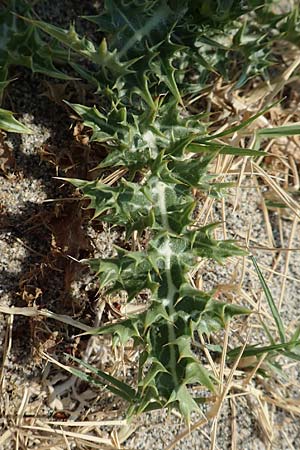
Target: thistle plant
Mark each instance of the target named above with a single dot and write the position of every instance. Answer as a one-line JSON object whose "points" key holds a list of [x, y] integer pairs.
{"points": [[145, 129], [150, 61]]}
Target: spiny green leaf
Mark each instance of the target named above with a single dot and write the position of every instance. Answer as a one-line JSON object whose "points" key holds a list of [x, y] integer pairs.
{"points": [[185, 401], [125, 330], [156, 312], [205, 246], [102, 128], [196, 373], [149, 379]]}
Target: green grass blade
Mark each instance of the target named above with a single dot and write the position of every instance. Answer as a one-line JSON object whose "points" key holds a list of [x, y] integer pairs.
{"points": [[253, 350], [288, 130], [223, 149], [243, 124], [267, 331], [89, 379], [296, 334], [124, 388], [292, 355], [270, 300]]}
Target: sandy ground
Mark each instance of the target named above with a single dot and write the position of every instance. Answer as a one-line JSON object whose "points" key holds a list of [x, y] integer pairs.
{"points": [[35, 270]]}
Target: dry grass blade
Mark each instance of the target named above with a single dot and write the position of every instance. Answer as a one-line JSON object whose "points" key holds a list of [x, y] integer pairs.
{"points": [[287, 261], [6, 349], [88, 423], [33, 312], [282, 81], [234, 429], [5, 436], [80, 436], [221, 379], [287, 199]]}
